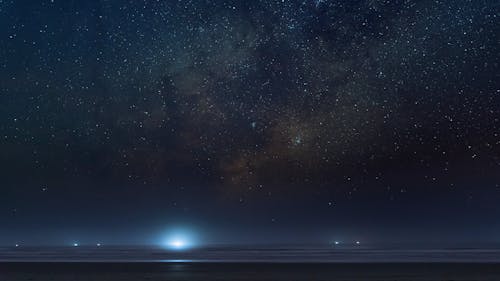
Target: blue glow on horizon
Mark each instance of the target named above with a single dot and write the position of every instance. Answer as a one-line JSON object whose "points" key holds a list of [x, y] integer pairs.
{"points": [[179, 240]]}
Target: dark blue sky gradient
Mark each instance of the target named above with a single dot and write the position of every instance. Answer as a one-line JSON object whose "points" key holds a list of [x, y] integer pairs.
{"points": [[249, 121]]}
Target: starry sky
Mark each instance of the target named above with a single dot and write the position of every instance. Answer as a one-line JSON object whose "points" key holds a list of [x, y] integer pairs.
{"points": [[263, 121]]}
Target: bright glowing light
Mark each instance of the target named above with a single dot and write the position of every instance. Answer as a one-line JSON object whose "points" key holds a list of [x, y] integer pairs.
{"points": [[179, 239], [177, 244], [98, 244], [337, 242], [75, 245]]}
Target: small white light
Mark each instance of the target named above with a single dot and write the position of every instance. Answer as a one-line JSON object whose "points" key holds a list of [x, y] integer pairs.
{"points": [[75, 245], [179, 240], [337, 242], [17, 245], [357, 242], [98, 244], [177, 244]]}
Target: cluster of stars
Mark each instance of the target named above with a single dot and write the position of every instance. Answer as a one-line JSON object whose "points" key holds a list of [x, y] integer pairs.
{"points": [[336, 100]]}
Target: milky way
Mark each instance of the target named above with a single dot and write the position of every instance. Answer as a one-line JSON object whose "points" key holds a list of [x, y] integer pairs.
{"points": [[361, 102]]}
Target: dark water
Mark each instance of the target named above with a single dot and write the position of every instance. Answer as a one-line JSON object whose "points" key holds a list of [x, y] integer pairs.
{"points": [[249, 264], [249, 254], [247, 271]]}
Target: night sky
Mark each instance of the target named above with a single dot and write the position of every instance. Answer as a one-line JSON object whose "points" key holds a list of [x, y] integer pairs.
{"points": [[263, 121]]}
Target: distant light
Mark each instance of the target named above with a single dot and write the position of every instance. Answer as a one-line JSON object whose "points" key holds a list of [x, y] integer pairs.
{"points": [[337, 242], [177, 244], [98, 244], [179, 239], [17, 245], [357, 242], [75, 245]]}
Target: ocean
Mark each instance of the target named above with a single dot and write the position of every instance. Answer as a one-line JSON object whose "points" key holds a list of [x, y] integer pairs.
{"points": [[250, 264]]}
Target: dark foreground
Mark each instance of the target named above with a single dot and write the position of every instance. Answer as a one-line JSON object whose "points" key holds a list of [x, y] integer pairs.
{"points": [[246, 271]]}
